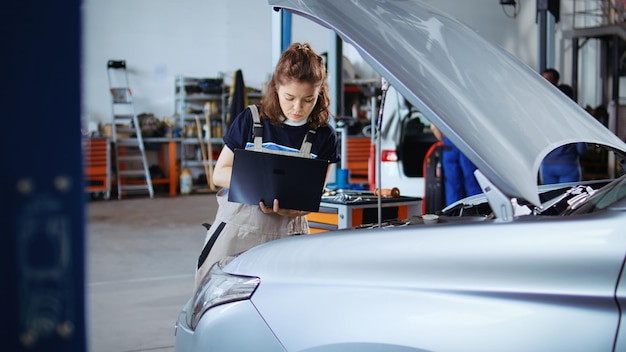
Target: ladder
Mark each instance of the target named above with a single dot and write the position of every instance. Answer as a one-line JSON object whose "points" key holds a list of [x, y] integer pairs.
{"points": [[133, 174]]}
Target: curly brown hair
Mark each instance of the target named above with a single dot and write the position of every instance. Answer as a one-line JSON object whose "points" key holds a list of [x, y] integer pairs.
{"points": [[299, 63]]}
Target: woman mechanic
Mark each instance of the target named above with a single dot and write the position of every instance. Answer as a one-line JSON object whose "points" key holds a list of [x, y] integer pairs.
{"points": [[297, 102]]}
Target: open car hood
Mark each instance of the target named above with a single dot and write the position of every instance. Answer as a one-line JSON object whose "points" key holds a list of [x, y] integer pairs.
{"points": [[503, 115]]}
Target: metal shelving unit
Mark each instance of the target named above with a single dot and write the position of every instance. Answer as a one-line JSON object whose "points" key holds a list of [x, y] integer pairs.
{"points": [[253, 98], [202, 100], [198, 100]]}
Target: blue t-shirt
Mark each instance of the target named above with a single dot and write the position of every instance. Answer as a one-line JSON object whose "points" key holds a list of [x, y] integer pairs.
{"points": [[281, 137]]}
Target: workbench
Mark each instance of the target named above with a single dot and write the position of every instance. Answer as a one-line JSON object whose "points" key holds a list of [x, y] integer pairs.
{"points": [[335, 214]]}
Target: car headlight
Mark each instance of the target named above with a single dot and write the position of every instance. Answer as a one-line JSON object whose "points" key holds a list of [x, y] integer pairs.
{"points": [[219, 287]]}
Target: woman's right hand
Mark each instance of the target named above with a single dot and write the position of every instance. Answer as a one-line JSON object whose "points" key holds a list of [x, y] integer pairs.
{"points": [[275, 209]]}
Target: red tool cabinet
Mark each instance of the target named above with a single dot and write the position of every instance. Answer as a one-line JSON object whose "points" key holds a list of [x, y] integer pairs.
{"points": [[97, 168]]}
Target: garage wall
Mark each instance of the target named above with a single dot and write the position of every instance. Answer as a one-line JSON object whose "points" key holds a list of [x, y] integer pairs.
{"points": [[160, 39]]}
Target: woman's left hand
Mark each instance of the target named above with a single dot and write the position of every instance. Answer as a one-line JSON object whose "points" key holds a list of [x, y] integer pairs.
{"points": [[282, 212]]}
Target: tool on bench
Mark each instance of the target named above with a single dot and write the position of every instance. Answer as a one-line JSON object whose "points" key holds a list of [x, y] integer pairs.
{"points": [[388, 192], [356, 196]]}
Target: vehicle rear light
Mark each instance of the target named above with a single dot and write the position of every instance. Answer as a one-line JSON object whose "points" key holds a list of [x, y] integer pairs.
{"points": [[388, 155], [385, 156]]}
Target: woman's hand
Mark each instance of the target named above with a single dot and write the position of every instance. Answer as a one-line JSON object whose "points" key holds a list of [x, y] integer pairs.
{"points": [[282, 212]]}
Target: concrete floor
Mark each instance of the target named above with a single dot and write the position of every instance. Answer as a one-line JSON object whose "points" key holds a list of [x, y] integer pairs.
{"points": [[141, 255]]}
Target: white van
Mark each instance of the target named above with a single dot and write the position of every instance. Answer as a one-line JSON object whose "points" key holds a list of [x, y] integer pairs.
{"points": [[406, 138]]}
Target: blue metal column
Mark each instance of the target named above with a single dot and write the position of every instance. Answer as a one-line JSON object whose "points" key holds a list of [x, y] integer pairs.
{"points": [[42, 183], [335, 85], [285, 30]]}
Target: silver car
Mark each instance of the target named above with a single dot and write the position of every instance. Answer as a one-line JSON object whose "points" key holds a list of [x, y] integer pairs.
{"points": [[518, 268]]}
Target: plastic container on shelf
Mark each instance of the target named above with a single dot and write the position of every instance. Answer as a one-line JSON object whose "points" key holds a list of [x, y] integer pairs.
{"points": [[185, 181]]}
